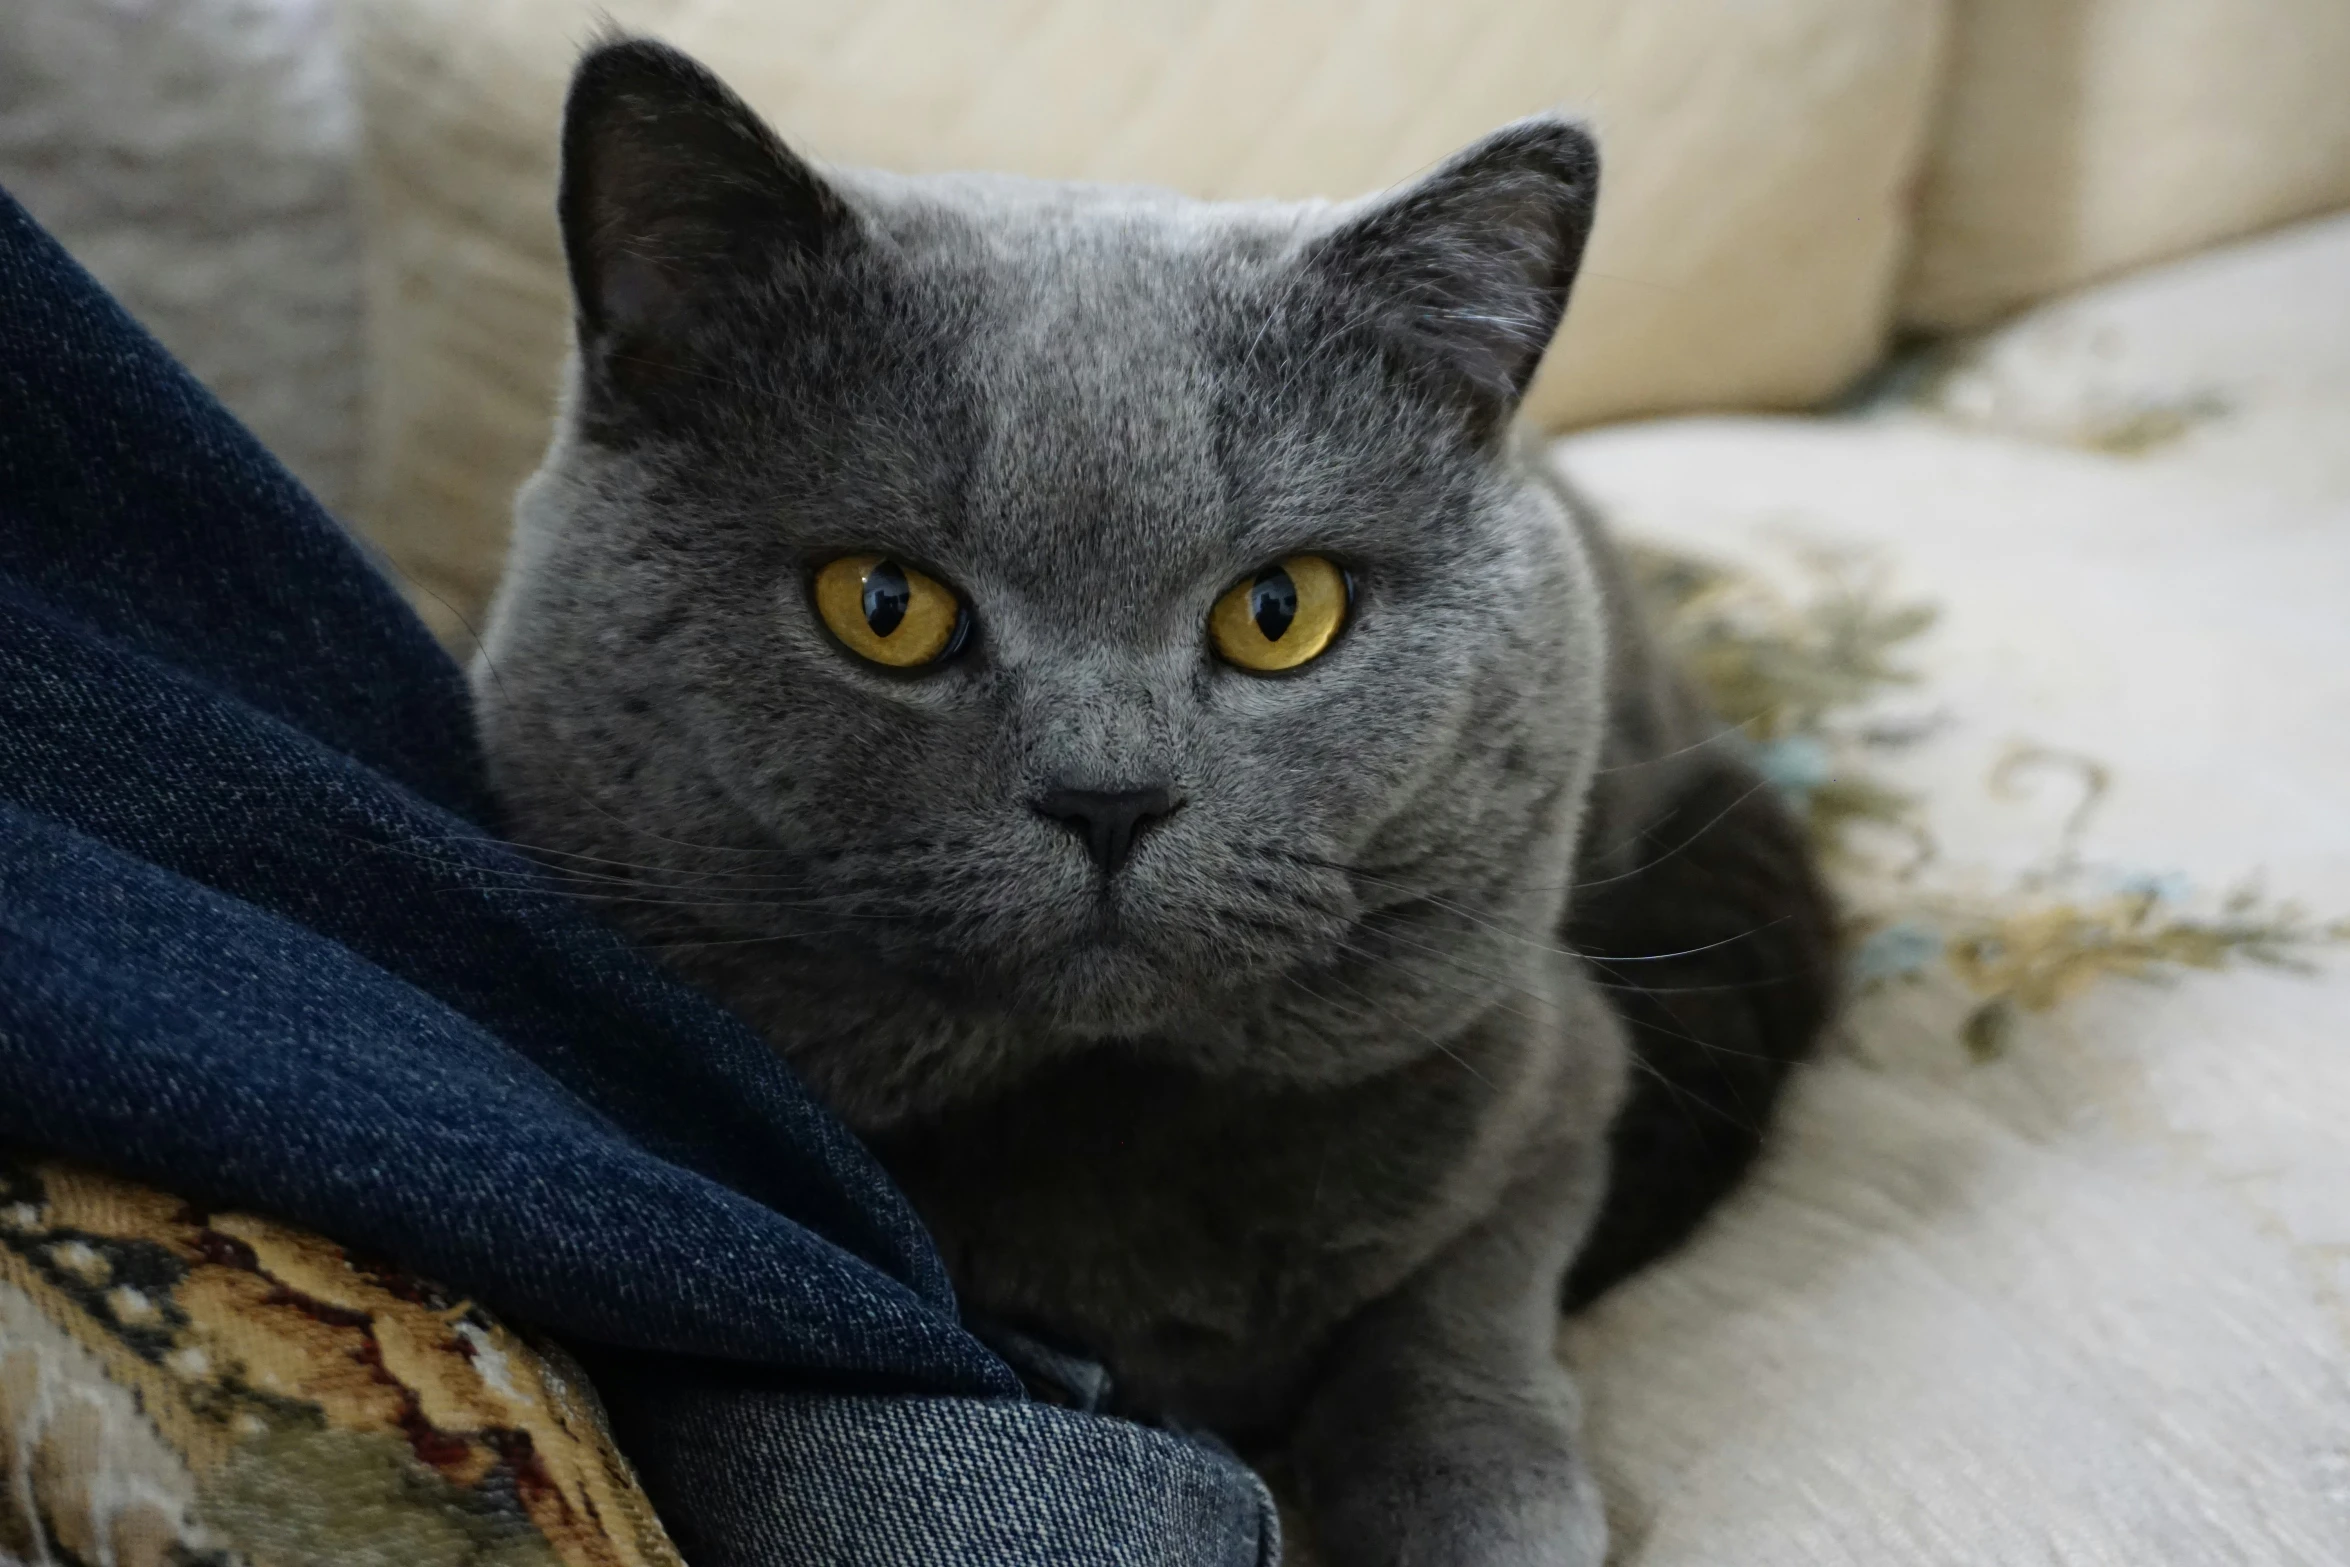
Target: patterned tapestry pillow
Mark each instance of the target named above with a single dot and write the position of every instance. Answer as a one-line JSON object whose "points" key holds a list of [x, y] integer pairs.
{"points": [[180, 1386]]}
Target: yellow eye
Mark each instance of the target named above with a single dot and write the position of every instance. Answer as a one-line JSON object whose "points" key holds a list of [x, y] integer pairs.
{"points": [[1282, 616], [889, 612]]}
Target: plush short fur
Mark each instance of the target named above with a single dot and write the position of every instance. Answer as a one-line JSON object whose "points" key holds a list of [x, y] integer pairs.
{"points": [[1297, 1119]]}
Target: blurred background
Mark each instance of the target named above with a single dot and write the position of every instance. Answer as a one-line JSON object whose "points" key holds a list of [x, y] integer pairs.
{"points": [[1974, 376]]}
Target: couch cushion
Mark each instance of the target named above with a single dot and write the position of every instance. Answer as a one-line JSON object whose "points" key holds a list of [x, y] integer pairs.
{"points": [[179, 1384], [2081, 138], [1747, 238], [2234, 362], [2046, 1263], [197, 158]]}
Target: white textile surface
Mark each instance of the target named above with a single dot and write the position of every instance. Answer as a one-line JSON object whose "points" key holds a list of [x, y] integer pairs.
{"points": [[2087, 1302]]}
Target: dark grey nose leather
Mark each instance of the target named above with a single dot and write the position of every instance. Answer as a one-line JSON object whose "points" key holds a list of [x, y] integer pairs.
{"points": [[1108, 819]]}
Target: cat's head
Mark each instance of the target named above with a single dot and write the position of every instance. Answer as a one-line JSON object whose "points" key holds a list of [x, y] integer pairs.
{"points": [[962, 619]]}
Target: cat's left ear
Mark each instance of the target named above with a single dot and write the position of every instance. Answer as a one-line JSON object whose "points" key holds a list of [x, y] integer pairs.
{"points": [[1467, 269]]}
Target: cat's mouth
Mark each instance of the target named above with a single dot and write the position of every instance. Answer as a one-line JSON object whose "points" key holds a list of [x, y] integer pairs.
{"points": [[1114, 957], [1134, 960], [1110, 923], [1110, 976], [1105, 994]]}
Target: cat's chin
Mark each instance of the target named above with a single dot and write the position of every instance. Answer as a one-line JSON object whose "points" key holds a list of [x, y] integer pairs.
{"points": [[1105, 985]]}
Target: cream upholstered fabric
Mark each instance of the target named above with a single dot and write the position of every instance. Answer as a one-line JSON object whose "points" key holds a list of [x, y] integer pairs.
{"points": [[2237, 360], [2087, 1302], [2081, 138], [196, 156], [1746, 251]]}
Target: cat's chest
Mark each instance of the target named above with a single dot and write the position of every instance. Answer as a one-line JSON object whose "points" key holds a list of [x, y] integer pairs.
{"points": [[1202, 1236]]}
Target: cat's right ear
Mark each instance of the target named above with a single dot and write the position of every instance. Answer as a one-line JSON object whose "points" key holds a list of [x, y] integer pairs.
{"points": [[674, 190], [1465, 272]]}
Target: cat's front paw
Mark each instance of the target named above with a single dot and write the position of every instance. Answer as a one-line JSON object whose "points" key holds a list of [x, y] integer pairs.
{"points": [[1472, 1486]]}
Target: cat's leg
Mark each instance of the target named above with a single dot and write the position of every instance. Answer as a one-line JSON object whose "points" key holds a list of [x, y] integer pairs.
{"points": [[1444, 1433]]}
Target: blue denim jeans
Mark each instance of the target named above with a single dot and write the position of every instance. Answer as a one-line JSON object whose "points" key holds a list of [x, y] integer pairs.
{"points": [[260, 944]]}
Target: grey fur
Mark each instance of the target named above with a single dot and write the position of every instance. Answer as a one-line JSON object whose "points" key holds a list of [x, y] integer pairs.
{"points": [[1298, 1120]]}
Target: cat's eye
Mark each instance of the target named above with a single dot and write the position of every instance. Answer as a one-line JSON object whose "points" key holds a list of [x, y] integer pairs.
{"points": [[888, 612], [1282, 617]]}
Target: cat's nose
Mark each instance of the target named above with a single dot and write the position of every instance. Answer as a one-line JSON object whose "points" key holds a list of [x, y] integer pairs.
{"points": [[1109, 820]]}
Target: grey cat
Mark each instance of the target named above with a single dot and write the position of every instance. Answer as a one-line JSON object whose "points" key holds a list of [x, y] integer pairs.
{"points": [[897, 640]]}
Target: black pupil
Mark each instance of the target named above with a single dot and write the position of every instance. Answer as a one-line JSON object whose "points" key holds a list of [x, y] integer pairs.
{"points": [[1272, 602], [887, 598]]}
